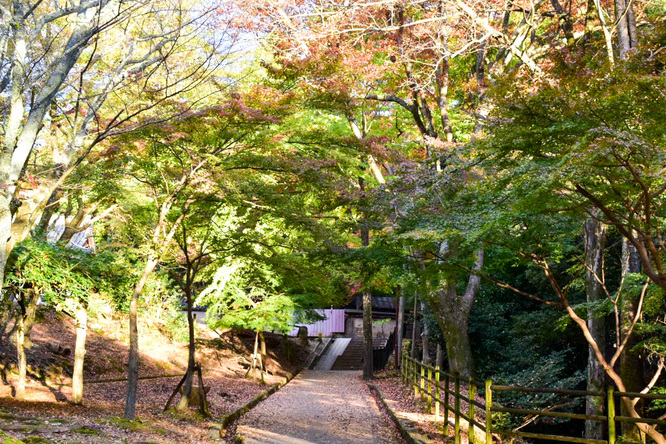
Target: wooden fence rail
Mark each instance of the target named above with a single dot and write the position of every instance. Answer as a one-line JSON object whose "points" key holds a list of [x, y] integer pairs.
{"points": [[435, 388]]}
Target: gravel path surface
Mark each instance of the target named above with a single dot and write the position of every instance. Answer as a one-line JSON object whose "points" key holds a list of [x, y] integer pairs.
{"points": [[318, 407]]}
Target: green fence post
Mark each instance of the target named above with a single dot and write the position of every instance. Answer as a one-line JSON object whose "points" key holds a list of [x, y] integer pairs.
{"points": [[611, 416], [429, 389], [422, 382], [489, 412], [456, 410], [416, 379], [446, 403], [402, 369], [470, 427], [437, 384]]}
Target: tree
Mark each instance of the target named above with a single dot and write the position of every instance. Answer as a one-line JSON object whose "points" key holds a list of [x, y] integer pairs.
{"points": [[398, 62], [79, 72], [610, 172], [61, 278]]}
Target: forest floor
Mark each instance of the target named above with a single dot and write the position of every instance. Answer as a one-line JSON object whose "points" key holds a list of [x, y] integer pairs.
{"points": [[46, 416]]}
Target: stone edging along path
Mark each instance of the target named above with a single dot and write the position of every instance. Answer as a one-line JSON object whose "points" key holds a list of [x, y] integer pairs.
{"points": [[217, 430]]}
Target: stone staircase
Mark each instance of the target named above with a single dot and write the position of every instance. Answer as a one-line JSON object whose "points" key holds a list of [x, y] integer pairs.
{"points": [[352, 356]]}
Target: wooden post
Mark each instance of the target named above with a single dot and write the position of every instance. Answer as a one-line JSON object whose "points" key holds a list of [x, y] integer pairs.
{"points": [[416, 379], [489, 412], [456, 410], [429, 389], [437, 397], [470, 427], [611, 416], [422, 381]]}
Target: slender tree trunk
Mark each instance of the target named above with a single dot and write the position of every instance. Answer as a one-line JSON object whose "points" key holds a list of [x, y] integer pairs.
{"points": [[187, 390], [367, 336], [367, 301], [424, 339], [22, 361], [595, 240], [439, 360], [262, 350], [133, 361], [25, 321], [400, 324], [415, 327], [81, 318]]}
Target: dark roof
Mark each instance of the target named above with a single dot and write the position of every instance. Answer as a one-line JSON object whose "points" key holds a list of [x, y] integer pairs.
{"points": [[382, 303]]}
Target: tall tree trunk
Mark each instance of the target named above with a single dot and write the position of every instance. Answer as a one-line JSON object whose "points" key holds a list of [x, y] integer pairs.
{"points": [[367, 301], [455, 327], [626, 26], [439, 359], [452, 311], [595, 240], [187, 391], [151, 263], [415, 327], [22, 361], [400, 324], [367, 336], [631, 366], [133, 361], [424, 339], [81, 319], [25, 321]]}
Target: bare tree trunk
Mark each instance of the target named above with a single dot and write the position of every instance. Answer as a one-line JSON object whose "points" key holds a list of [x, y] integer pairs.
{"points": [[25, 321], [626, 26], [262, 350], [595, 240], [400, 324], [367, 303], [187, 391], [133, 361], [415, 327], [81, 318], [439, 360], [424, 339], [22, 361], [367, 336]]}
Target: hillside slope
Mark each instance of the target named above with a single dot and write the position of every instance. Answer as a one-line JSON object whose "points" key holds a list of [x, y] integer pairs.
{"points": [[46, 413]]}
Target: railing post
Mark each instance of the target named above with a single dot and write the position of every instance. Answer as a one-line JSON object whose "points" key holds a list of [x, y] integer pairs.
{"points": [[416, 380], [611, 416], [437, 384], [489, 412], [446, 403], [422, 382], [429, 385], [402, 368], [470, 428], [456, 412]]}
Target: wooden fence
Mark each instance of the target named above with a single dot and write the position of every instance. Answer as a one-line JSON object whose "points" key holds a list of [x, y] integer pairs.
{"points": [[473, 403]]}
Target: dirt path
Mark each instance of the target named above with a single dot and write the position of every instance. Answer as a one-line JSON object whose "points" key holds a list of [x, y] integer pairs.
{"points": [[318, 407]]}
